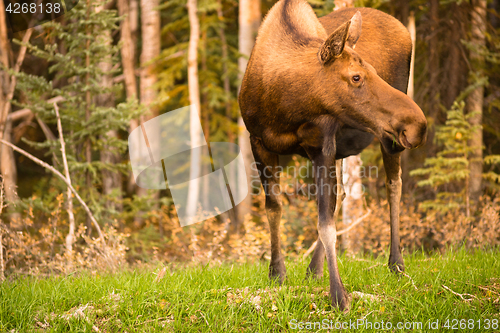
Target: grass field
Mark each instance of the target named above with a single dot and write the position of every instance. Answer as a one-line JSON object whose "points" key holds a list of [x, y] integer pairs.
{"points": [[457, 286]]}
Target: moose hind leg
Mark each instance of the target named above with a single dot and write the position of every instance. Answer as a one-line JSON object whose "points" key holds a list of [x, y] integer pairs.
{"points": [[393, 186], [267, 165], [315, 268]]}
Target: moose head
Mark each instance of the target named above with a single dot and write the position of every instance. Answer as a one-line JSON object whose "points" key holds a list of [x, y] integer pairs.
{"points": [[354, 93]]}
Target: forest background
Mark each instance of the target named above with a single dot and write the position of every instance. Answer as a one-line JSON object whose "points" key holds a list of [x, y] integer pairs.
{"points": [[90, 77]]}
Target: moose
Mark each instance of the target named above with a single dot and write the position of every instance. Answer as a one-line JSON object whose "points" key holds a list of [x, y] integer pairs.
{"points": [[322, 89]]}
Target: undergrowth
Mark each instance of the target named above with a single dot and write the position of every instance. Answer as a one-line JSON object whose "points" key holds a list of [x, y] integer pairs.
{"points": [[236, 297]]}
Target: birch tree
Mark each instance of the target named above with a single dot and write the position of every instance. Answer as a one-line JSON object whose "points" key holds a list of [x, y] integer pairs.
{"points": [[405, 155], [249, 22], [128, 39], [433, 70], [127, 53], [353, 203], [150, 33], [7, 85], [194, 100], [134, 25], [476, 97], [228, 108], [7, 163], [150, 30]]}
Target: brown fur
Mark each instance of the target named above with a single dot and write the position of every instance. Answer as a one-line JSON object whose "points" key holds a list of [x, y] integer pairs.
{"points": [[323, 89], [384, 43], [286, 84]]}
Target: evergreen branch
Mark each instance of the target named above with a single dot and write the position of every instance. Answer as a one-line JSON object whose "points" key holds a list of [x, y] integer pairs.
{"points": [[492, 159], [492, 176], [19, 114]]}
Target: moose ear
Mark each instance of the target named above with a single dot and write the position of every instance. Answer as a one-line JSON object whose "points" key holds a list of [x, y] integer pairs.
{"points": [[354, 30], [334, 45], [348, 33]]}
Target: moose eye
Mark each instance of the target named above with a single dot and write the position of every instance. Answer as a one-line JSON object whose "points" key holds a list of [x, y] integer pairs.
{"points": [[356, 78]]}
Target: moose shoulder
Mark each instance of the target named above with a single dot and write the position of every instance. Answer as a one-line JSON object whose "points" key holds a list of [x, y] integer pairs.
{"points": [[323, 89]]}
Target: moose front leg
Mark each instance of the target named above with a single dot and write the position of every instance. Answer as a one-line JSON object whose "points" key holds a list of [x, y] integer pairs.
{"points": [[267, 164], [329, 196], [315, 268], [393, 186]]}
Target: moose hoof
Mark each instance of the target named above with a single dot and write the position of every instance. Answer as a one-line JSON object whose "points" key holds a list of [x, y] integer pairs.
{"points": [[343, 303], [396, 266], [314, 273], [277, 272]]}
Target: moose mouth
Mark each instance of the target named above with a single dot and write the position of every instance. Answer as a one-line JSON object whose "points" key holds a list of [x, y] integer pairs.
{"points": [[392, 142]]}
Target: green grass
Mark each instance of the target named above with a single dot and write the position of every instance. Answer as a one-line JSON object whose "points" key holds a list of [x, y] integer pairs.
{"points": [[239, 297]]}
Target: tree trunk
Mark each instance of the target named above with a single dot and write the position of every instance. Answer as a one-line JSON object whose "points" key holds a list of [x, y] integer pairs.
{"points": [[455, 66], [128, 39], [2, 266], [134, 26], [4, 50], [9, 170], [127, 52], [249, 22], [150, 31], [194, 101], [433, 69], [353, 203], [476, 97], [4, 56], [413, 34], [405, 156], [150, 20], [70, 237], [88, 102], [111, 180], [204, 114], [7, 161], [229, 216], [401, 10]]}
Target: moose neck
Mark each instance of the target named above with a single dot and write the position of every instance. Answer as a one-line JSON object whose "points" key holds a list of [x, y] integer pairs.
{"points": [[288, 44]]}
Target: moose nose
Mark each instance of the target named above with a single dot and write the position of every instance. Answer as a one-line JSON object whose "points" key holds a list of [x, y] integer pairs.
{"points": [[414, 136]]}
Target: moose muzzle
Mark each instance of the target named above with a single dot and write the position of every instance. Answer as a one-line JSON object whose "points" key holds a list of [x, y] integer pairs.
{"points": [[414, 135]]}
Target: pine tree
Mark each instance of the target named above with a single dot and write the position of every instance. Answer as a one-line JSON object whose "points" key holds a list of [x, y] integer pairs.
{"points": [[75, 50], [448, 173]]}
